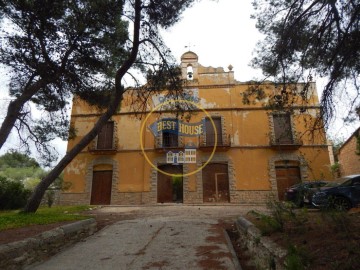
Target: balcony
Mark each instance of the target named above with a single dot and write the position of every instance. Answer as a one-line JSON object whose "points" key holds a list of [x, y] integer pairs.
{"points": [[166, 144], [289, 144], [95, 150], [223, 144]]}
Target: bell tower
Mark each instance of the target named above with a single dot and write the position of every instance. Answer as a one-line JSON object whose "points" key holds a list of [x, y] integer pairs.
{"points": [[189, 66]]}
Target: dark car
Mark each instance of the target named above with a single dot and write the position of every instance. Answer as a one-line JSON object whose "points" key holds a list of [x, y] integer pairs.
{"points": [[297, 193], [343, 195]]}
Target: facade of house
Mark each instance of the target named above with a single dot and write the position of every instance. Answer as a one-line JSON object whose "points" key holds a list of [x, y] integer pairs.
{"points": [[224, 150], [349, 155]]}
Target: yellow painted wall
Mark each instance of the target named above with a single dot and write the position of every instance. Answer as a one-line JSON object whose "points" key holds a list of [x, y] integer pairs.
{"points": [[220, 95]]}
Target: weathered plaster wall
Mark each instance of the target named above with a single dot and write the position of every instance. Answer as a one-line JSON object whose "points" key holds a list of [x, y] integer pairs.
{"points": [[250, 157]]}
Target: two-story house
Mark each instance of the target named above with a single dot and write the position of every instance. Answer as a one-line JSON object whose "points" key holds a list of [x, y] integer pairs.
{"points": [[224, 150]]}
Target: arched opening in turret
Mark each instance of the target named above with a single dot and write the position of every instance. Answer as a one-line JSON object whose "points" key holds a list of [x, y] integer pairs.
{"points": [[189, 73]]}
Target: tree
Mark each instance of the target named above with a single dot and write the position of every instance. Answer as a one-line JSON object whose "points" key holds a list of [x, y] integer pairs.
{"points": [[311, 38], [54, 49], [91, 61], [14, 159]]}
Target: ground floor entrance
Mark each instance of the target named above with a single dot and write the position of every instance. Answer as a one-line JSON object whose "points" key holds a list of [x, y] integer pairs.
{"points": [[170, 188], [101, 188], [286, 176], [216, 183]]}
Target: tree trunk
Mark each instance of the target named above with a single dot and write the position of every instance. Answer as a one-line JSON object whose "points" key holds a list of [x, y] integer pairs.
{"points": [[35, 199], [14, 110]]}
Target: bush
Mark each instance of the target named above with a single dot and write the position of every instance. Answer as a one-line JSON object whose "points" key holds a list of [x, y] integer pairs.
{"points": [[13, 194]]}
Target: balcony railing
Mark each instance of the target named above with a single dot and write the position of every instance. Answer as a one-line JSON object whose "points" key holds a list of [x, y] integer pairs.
{"points": [[290, 143], [222, 145], [102, 151], [165, 144]]}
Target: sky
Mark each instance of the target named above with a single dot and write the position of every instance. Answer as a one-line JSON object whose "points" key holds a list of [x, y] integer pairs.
{"points": [[220, 33]]}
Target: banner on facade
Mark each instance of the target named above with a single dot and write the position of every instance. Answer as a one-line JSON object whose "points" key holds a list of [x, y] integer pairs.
{"points": [[177, 127]]}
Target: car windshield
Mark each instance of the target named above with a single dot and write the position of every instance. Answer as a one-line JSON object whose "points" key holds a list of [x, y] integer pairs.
{"points": [[339, 182], [332, 184]]}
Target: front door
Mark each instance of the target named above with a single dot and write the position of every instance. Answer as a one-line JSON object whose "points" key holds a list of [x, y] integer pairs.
{"points": [[285, 178], [101, 188], [170, 188], [216, 183]]}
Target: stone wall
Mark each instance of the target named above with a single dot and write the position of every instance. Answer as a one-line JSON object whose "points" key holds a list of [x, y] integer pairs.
{"points": [[251, 196], [17, 255], [265, 253], [70, 198]]}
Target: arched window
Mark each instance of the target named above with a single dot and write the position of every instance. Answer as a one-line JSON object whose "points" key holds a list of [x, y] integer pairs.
{"points": [[189, 73]]}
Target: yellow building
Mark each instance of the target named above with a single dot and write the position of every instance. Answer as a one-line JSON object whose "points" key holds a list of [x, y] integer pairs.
{"points": [[157, 157]]}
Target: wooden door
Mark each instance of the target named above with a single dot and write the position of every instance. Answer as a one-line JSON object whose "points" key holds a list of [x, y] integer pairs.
{"points": [[105, 137], [285, 178], [210, 133], [216, 183], [170, 188], [101, 188]]}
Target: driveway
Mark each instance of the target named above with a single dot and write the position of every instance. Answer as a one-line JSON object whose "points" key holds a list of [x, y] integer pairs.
{"points": [[156, 237]]}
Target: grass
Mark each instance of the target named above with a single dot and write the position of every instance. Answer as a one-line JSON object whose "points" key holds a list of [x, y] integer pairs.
{"points": [[44, 215]]}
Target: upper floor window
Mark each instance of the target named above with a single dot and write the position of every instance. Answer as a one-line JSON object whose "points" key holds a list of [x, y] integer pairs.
{"points": [[210, 131], [170, 139], [106, 136], [282, 129]]}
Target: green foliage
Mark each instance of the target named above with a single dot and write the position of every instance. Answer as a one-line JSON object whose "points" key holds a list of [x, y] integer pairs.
{"points": [[14, 219], [311, 37], [335, 168], [13, 195], [20, 167], [56, 49], [281, 214], [14, 159], [22, 174], [297, 258], [252, 94], [50, 197], [339, 221]]}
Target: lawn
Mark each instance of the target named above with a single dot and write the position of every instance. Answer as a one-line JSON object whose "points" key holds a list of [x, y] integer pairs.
{"points": [[45, 215]]}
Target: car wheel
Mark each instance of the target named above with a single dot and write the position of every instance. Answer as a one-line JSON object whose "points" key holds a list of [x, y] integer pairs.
{"points": [[342, 204]]}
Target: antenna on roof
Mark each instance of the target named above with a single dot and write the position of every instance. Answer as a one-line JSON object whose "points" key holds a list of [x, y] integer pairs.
{"points": [[189, 46]]}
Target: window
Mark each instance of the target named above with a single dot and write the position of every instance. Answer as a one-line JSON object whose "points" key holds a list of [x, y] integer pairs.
{"points": [[105, 137], [170, 157], [169, 139], [181, 157], [282, 129], [210, 132], [190, 156]]}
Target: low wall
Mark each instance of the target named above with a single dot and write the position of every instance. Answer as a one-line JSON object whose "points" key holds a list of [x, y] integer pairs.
{"points": [[265, 253], [17, 255]]}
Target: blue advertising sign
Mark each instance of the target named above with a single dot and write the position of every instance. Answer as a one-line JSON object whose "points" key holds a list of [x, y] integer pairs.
{"points": [[178, 127]]}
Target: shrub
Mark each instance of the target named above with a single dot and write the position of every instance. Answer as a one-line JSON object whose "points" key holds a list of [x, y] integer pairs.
{"points": [[297, 258], [13, 195]]}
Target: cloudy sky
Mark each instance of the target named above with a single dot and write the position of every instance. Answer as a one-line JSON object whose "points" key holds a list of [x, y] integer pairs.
{"points": [[220, 33]]}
